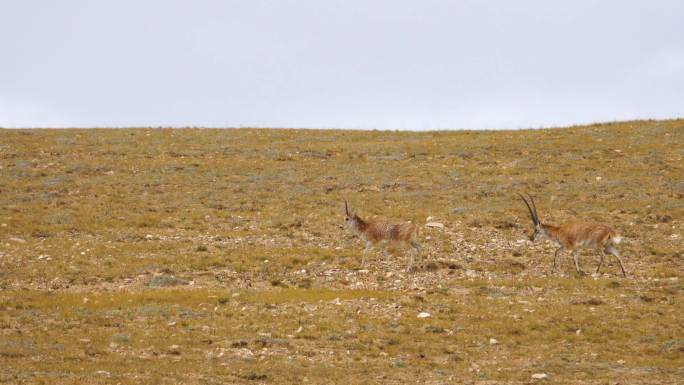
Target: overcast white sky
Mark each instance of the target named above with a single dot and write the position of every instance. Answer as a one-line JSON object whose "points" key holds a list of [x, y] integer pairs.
{"points": [[391, 64]]}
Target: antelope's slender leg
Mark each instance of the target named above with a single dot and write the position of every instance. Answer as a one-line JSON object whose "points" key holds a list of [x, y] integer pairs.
{"points": [[383, 246], [410, 265], [369, 246], [600, 263], [555, 258], [615, 253], [417, 249], [576, 258]]}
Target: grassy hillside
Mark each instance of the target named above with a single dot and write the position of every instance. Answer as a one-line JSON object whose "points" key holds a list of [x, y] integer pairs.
{"points": [[200, 256]]}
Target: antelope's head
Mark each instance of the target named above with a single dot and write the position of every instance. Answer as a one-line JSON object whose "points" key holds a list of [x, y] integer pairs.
{"points": [[350, 220], [538, 230]]}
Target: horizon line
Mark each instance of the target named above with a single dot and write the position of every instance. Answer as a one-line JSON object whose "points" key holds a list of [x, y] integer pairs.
{"points": [[257, 127]]}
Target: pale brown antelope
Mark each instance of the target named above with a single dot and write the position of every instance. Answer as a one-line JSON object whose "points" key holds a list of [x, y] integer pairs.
{"points": [[574, 235], [382, 233]]}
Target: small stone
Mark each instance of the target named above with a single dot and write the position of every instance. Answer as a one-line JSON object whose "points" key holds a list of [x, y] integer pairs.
{"points": [[103, 373], [174, 349], [621, 362], [18, 240], [493, 341], [435, 225], [539, 376], [471, 273], [163, 280], [423, 314], [300, 329]]}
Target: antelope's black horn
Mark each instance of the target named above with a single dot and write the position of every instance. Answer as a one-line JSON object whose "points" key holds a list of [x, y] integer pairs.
{"points": [[532, 216], [534, 206]]}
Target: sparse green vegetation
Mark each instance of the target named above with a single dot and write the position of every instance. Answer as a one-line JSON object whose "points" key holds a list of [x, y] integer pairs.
{"points": [[217, 256]]}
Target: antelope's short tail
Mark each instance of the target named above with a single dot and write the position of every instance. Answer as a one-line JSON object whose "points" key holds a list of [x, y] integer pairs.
{"points": [[616, 238]]}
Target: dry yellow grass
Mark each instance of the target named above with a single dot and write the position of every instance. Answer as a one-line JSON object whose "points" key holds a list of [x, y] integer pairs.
{"points": [[203, 256]]}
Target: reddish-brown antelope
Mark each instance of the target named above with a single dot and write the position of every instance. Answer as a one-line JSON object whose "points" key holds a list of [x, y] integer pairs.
{"points": [[574, 235], [382, 233]]}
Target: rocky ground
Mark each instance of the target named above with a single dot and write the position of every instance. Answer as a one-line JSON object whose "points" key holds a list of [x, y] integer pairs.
{"points": [[218, 256]]}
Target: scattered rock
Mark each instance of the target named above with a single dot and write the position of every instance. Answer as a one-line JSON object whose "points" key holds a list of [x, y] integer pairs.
{"points": [[493, 341], [423, 314], [539, 376], [174, 350], [387, 157], [18, 240], [166, 281], [435, 225]]}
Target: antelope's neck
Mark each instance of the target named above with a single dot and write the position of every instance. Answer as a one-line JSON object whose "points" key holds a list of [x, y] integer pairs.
{"points": [[551, 231], [361, 225]]}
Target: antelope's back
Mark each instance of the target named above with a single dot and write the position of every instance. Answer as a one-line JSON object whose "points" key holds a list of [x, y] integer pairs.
{"points": [[587, 233], [404, 231]]}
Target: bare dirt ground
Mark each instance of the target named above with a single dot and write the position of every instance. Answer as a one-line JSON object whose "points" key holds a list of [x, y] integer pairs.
{"points": [[196, 256]]}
